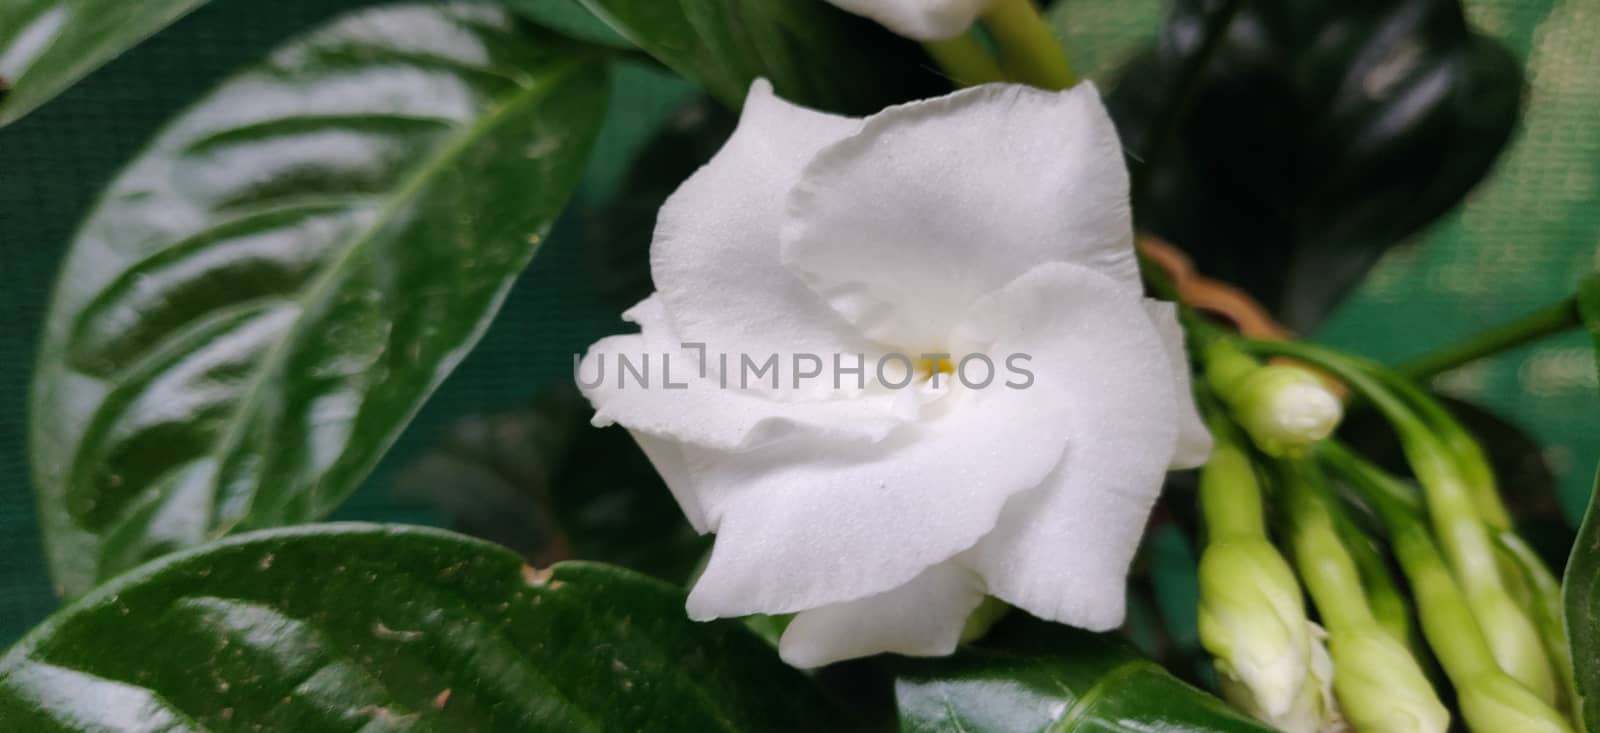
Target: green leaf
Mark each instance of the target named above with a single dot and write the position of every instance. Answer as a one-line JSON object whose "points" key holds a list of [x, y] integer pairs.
{"points": [[1581, 586], [570, 19], [543, 481], [1031, 676], [47, 45], [1581, 599], [263, 299], [1589, 310], [814, 54], [1319, 136], [370, 627]]}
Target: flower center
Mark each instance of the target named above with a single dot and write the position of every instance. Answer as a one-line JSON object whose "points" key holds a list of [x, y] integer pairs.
{"points": [[927, 367]]}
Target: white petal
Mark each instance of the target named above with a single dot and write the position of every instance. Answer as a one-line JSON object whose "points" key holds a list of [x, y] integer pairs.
{"points": [[714, 257], [697, 409], [801, 526], [1061, 551], [923, 20], [922, 618], [934, 204], [1194, 440]]}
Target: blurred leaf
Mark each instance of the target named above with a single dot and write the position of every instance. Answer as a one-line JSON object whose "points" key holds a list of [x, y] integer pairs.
{"points": [[620, 231], [1322, 134], [544, 482], [814, 54], [1581, 585], [569, 18], [369, 627], [1589, 310], [1027, 675], [264, 298], [47, 45]]}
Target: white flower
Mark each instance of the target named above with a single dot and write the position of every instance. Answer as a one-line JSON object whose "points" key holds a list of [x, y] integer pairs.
{"points": [[991, 221], [923, 20]]}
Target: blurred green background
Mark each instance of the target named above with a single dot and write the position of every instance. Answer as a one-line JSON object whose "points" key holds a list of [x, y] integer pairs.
{"points": [[1521, 240]]}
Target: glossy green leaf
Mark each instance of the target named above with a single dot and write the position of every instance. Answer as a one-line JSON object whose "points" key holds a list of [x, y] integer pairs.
{"points": [[367, 627], [1322, 133], [814, 54], [543, 481], [1027, 676], [1581, 585], [47, 45], [263, 299]]}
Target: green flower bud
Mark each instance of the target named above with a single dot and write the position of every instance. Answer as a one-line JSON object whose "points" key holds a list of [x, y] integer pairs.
{"points": [[1313, 709], [1380, 687], [1285, 408], [1253, 621], [1495, 702]]}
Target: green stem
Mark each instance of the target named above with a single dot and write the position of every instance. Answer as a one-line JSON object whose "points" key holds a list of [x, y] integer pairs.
{"points": [[1029, 47], [1325, 565], [1532, 327], [965, 60], [1230, 496], [1170, 117], [1545, 607], [1389, 606]]}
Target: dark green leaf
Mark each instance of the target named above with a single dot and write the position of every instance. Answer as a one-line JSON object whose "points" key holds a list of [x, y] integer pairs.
{"points": [[545, 482], [814, 54], [1581, 598], [569, 18], [1322, 133], [1581, 585], [264, 298], [1589, 310], [46, 45], [1031, 676], [369, 627]]}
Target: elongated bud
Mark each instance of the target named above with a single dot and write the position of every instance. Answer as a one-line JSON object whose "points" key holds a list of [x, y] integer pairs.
{"points": [[1495, 702], [1284, 408], [1253, 621], [1380, 687]]}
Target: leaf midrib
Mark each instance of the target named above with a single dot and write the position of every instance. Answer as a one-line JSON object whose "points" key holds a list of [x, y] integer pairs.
{"points": [[325, 283]]}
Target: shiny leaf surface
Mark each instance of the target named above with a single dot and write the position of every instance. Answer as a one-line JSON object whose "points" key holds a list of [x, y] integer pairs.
{"points": [[1321, 134], [370, 627], [46, 45], [1027, 675], [814, 54], [264, 298]]}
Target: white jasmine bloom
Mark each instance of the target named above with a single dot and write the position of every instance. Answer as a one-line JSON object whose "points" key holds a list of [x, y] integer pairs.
{"points": [[923, 20], [992, 221]]}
